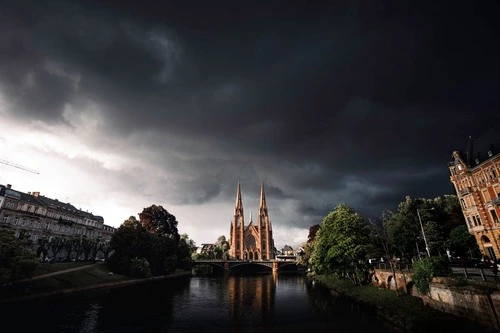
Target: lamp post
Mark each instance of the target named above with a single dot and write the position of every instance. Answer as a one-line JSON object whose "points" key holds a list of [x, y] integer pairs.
{"points": [[418, 250], [423, 233]]}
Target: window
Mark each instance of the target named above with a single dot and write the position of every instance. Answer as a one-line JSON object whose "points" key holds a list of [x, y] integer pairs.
{"points": [[469, 223], [478, 220], [494, 215]]}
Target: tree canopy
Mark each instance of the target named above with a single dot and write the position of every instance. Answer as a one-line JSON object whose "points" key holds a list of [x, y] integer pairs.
{"points": [[341, 245], [141, 248], [158, 220]]}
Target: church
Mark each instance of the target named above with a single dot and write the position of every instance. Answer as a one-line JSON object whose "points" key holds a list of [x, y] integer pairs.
{"points": [[255, 241]]}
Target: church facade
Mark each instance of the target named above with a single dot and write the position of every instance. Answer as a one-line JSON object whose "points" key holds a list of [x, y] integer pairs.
{"points": [[254, 241]]}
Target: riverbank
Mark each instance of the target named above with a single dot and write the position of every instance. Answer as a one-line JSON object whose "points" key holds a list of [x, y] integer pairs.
{"points": [[73, 280], [405, 312]]}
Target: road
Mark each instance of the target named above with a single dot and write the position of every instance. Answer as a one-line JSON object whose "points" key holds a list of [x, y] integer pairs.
{"points": [[475, 273]]}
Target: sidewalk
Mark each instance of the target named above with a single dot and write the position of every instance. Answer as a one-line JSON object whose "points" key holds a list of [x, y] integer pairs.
{"points": [[43, 276], [115, 284]]}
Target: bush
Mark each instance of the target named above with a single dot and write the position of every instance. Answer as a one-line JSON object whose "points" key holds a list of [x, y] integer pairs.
{"points": [[139, 267], [425, 269]]}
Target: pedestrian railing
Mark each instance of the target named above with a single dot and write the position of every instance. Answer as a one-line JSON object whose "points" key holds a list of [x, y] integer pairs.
{"points": [[473, 273]]}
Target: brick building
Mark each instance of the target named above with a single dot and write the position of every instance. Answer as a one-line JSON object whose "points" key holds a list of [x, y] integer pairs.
{"points": [[36, 217], [475, 174], [255, 241]]}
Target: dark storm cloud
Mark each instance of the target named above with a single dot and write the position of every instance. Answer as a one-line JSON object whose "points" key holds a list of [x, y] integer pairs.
{"points": [[352, 102]]}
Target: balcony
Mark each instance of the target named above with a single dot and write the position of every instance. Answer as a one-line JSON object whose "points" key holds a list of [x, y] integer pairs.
{"points": [[465, 191]]}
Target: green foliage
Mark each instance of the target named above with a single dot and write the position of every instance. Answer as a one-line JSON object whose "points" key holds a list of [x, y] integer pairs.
{"points": [[341, 245], [427, 268], [185, 251], [139, 267], [133, 240], [462, 242], [57, 244], [17, 261], [439, 216], [158, 220], [218, 250], [305, 257]]}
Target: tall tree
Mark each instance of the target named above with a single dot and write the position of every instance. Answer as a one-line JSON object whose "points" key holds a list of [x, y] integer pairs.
{"points": [[132, 240], [158, 220], [341, 245]]}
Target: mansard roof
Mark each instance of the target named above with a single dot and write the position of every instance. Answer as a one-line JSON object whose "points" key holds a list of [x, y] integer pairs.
{"points": [[48, 203], [483, 148]]}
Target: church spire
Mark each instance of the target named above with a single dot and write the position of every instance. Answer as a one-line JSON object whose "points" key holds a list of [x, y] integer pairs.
{"points": [[263, 205], [250, 216], [238, 209]]}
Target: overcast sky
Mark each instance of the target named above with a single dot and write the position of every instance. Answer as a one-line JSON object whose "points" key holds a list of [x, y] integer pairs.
{"points": [[120, 105]]}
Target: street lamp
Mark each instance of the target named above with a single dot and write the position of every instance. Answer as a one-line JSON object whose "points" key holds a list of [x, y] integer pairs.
{"points": [[423, 233]]}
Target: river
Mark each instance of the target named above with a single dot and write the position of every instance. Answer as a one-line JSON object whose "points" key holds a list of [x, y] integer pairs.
{"points": [[260, 303]]}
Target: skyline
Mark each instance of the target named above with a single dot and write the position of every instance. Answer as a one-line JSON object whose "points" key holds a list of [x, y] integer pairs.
{"points": [[121, 105]]}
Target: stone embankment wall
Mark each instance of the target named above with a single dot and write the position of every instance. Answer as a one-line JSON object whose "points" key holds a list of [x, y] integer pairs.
{"points": [[469, 302]]}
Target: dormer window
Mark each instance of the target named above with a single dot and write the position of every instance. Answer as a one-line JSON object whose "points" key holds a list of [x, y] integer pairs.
{"points": [[459, 167]]}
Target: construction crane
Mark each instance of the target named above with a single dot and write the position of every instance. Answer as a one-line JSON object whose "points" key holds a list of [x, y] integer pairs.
{"points": [[18, 166]]}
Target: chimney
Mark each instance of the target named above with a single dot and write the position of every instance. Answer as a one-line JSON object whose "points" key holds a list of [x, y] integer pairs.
{"points": [[36, 194], [9, 186]]}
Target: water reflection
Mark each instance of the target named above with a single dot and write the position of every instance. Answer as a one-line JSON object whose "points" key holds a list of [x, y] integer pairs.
{"points": [[251, 300], [258, 303]]}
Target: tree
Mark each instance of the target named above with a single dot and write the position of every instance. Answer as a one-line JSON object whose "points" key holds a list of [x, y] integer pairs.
{"points": [[341, 245], [57, 245], [404, 230], [17, 261], [43, 247], [133, 240], [305, 256], [185, 251], [380, 237], [462, 242], [222, 248], [158, 220], [89, 248], [312, 233]]}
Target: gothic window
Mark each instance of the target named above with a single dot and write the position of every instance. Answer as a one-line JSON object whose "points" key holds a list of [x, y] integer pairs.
{"points": [[250, 241]]}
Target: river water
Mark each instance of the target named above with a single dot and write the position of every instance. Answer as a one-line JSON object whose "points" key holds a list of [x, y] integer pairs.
{"points": [[259, 303]]}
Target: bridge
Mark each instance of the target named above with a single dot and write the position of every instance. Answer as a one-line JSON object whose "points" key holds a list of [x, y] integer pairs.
{"points": [[274, 265]]}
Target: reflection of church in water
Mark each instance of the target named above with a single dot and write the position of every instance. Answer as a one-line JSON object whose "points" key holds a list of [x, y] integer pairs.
{"points": [[252, 299], [255, 241]]}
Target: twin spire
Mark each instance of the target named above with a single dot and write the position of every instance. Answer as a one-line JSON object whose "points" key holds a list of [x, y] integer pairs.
{"points": [[262, 204]]}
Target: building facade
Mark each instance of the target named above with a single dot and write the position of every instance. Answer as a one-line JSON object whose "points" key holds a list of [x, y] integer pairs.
{"points": [[254, 241], [37, 217], [475, 176]]}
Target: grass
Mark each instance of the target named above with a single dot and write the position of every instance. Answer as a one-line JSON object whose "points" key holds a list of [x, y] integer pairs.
{"points": [[408, 312], [93, 275]]}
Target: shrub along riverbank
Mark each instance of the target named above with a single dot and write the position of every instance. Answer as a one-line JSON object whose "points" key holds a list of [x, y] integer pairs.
{"points": [[406, 312]]}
